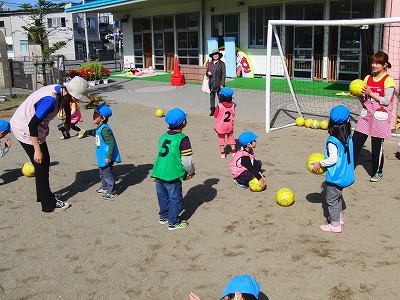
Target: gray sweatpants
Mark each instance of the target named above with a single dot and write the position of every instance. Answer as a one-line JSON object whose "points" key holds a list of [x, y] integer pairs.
{"points": [[334, 200]]}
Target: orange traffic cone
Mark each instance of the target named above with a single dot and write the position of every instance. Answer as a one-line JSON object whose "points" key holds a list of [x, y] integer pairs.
{"points": [[177, 78]]}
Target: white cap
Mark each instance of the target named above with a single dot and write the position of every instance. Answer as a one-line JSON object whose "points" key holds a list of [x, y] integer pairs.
{"points": [[78, 88]]}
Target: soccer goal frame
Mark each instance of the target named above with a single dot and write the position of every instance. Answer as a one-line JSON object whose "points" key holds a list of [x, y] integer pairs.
{"points": [[296, 109]]}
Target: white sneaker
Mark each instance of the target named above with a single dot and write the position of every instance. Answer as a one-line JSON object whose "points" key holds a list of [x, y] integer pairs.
{"points": [[81, 133], [61, 205]]}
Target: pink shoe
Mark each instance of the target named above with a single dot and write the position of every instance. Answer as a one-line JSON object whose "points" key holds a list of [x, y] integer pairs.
{"points": [[330, 228]]}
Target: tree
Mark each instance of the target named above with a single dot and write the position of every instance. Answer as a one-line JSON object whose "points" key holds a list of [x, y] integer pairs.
{"points": [[38, 33]]}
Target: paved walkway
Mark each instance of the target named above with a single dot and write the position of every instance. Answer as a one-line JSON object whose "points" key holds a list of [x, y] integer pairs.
{"points": [[250, 104]]}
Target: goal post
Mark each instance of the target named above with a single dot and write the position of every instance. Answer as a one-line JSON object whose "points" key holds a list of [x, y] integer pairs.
{"points": [[310, 64]]}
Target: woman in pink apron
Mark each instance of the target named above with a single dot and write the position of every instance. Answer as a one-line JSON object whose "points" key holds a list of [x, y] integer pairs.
{"points": [[378, 99]]}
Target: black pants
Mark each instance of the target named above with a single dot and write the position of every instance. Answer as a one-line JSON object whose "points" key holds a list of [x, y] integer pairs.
{"points": [[377, 150], [43, 192], [74, 127]]}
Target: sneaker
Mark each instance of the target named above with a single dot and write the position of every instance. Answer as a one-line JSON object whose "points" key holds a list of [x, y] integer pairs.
{"points": [[62, 138], [330, 228], [163, 220], [101, 191], [395, 132], [376, 177], [61, 205], [240, 186], [109, 196], [182, 224], [81, 133], [223, 155]]}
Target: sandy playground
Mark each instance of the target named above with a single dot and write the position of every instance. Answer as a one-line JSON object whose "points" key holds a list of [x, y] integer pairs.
{"points": [[117, 250]]}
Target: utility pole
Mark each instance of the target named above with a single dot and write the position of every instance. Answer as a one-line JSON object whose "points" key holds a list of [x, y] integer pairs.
{"points": [[86, 35]]}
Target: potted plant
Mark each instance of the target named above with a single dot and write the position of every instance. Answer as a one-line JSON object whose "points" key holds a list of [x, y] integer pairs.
{"points": [[88, 74], [94, 101], [106, 74]]}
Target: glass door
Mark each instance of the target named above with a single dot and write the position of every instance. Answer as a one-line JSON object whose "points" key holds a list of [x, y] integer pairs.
{"points": [[303, 52], [159, 58], [349, 52]]}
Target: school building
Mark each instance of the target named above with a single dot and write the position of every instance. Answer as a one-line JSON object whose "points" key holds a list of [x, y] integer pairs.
{"points": [[155, 31]]}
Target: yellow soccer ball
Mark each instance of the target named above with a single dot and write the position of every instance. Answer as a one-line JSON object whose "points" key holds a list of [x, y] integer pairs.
{"points": [[314, 124], [28, 169], [285, 197], [300, 121], [308, 122], [254, 185], [356, 87], [324, 124], [313, 158], [160, 113]]}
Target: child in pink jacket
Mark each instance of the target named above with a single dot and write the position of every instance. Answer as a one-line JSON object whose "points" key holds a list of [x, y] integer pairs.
{"points": [[225, 115]]}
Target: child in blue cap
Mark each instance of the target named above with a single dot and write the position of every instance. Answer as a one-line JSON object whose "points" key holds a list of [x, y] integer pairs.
{"points": [[339, 165], [107, 152], [172, 165], [243, 287], [244, 167], [225, 115], [4, 130]]}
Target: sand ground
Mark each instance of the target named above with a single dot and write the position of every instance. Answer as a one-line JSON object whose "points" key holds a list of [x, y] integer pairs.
{"points": [[117, 250]]}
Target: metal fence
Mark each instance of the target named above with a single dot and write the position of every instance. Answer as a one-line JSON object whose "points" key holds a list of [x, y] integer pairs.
{"points": [[21, 76]]}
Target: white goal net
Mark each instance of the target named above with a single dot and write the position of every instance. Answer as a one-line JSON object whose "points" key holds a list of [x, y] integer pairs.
{"points": [[311, 63]]}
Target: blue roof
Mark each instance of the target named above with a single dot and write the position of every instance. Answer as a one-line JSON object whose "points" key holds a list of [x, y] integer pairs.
{"points": [[99, 4]]}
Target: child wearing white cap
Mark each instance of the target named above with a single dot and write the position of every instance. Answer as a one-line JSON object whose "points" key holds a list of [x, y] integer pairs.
{"points": [[4, 130], [339, 163], [172, 165]]}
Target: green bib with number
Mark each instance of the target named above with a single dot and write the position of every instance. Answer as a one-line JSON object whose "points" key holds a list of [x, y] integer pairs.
{"points": [[168, 165]]}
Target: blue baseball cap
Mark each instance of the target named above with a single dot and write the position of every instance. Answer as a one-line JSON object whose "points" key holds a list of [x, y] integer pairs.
{"points": [[5, 126], [244, 284], [247, 137], [175, 117], [339, 114], [104, 110], [226, 91]]}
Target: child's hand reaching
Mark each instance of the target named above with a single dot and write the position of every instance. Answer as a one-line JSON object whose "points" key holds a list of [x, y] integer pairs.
{"points": [[8, 143], [316, 166], [193, 296], [263, 182]]}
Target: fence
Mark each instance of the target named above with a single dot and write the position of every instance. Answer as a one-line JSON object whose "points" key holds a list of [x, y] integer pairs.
{"points": [[26, 75]]}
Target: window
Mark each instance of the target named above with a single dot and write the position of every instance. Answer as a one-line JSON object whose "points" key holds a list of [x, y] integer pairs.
{"points": [[10, 48], [187, 27], [2, 24], [225, 26], [55, 22], [259, 17], [24, 47], [352, 9], [91, 23]]}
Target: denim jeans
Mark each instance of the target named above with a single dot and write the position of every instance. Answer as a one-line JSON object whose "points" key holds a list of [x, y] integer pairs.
{"points": [[107, 178], [169, 196]]}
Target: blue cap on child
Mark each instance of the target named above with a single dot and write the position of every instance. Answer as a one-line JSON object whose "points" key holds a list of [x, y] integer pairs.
{"points": [[175, 117], [104, 110], [244, 284], [339, 114], [5, 126], [226, 91], [247, 137]]}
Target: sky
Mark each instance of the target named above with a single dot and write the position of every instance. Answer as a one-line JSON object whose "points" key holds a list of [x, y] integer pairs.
{"points": [[14, 4]]}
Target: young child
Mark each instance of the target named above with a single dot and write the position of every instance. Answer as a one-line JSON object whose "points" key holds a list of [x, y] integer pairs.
{"points": [[243, 287], [244, 167], [339, 165], [4, 130], [76, 116], [172, 165], [225, 115], [106, 151]]}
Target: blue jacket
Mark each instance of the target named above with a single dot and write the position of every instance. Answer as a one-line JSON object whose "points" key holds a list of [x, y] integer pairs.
{"points": [[102, 148], [341, 173]]}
